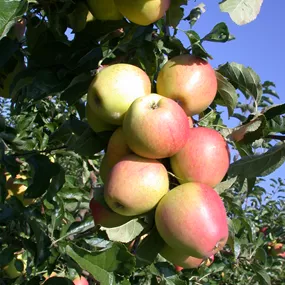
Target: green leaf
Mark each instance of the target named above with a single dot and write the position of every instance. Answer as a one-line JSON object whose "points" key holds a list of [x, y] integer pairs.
{"points": [[149, 248], [226, 95], [56, 184], [10, 11], [102, 265], [80, 227], [243, 78], [125, 233], [175, 13], [241, 11], [276, 125], [261, 255], [43, 242], [261, 273], [225, 185], [43, 171], [251, 131], [195, 14], [259, 164], [220, 33], [273, 111]]}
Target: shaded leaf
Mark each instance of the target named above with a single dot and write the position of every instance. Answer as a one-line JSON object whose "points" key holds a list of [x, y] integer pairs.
{"points": [[261, 273], [195, 14], [220, 33], [224, 185], [175, 12]]}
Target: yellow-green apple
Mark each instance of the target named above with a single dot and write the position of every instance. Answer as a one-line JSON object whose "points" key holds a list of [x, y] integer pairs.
{"points": [[155, 127], [80, 280], [17, 189], [104, 10], [143, 12], [104, 216], [79, 17], [192, 218], [113, 90], [179, 258], [117, 147], [97, 124], [10, 269], [189, 80], [205, 158], [135, 185]]}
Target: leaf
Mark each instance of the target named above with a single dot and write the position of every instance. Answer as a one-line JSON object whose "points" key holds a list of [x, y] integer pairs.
{"points": [[80, 227], [9, 12], [220, 33], [261, 273], [77, 88], [149, 248], [195, 14], [259, 164], [197, 48], [175, 13], [116, 259], [251, 131], [277, 124], [226, 94], [7, 48], [43, 242], [273, 111], [241, 11], [243, 78], [125, 233], [225, 185], [43, 171], [261, 255]]}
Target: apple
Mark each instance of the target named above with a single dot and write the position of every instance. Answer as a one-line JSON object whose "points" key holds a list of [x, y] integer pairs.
{"points": [[18, 30], [135, 185], [205, 158], [113, 90], [191, 122], [104, 10], [189, 80], [277, 249], [79, 17], [17, 189], [117, 147], [97, 124], [192, 218], [80, 280], [155, 127], [10, 269], [104, 216], [143, 12]]}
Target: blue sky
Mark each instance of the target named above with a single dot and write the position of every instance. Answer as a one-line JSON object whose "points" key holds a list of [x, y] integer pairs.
{"points": [[259, 44]]}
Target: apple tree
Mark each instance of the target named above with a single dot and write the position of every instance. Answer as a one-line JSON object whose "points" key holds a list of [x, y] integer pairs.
{"points": [[56, 224]]}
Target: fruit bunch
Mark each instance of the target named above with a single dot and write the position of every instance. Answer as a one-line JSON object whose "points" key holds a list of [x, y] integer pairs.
{"points": [[154, 140]]}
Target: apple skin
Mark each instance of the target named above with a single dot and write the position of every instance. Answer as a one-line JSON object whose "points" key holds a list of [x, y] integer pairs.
{"points": [[205, 158], [97, 124], [135, 185], [155, 127], [189, 80], [17, 189], [105, 217], [182, 260], [192, 218], [104, 10], [113, 90], [277, 250], [80, 281], [143, 12], [10, 269]]}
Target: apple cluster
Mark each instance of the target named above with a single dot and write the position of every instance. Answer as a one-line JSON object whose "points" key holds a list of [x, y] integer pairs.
{"points": [[150, 129]]}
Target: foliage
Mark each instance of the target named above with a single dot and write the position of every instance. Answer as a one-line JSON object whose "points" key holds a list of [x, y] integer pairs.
{"points": [[44, 135]]}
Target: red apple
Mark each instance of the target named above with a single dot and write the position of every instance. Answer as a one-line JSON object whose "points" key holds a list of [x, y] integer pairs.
{"points": [[155, 127], [277, 249], [104, 216], [192, 218], [205, 158], [189, 80], [135, 185], [80, 281]]}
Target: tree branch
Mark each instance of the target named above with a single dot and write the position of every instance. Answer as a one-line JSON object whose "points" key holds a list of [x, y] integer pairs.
{"points": [[276, 137]]}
